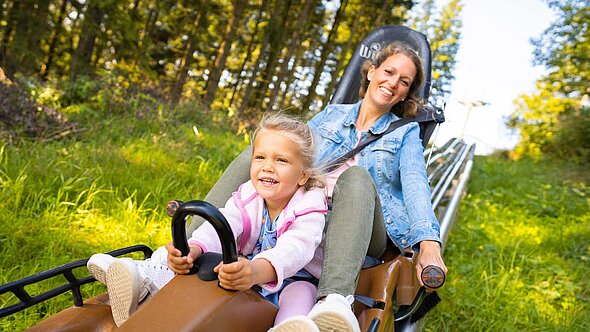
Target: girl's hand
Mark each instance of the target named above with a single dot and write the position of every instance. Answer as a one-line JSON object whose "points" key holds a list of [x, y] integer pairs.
{"points": [[179, 264], [244, 274], [430, 254]]}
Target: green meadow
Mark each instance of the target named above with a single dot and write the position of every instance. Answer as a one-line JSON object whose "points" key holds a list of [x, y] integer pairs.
{"points": [[519, 255]]}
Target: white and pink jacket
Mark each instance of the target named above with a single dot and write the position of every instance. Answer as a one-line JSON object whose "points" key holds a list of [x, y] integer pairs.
{"points": [[300, 229]]}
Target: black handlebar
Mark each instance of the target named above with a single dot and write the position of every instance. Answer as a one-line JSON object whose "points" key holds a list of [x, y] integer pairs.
{"points": [[215, 218]]}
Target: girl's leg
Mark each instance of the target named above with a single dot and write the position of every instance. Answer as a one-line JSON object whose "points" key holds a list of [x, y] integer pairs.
{"points": [[234, 175], [297, 298], [354, 228]]}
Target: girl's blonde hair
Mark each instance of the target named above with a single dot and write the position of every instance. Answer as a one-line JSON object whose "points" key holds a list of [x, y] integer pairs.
{"points": [[411, 103], [300, 133]]}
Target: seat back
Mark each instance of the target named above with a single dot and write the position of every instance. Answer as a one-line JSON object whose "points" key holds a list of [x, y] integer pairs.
{"points": [[347, 91]]}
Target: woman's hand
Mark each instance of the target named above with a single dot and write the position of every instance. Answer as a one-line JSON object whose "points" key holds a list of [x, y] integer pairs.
{"points": [[244, 274], [430, 254], [179, 264]]}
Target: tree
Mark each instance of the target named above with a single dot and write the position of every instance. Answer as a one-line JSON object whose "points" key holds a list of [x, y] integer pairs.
{"points": [[326, 49], [564, 49], [220, 59], [444, 31], [81, 58]]}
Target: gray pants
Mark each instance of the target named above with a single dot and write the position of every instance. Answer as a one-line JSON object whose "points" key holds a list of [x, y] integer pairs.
{"points": [[354, 227]]}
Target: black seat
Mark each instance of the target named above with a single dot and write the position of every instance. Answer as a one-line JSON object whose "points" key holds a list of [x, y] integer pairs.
{"points": [[347, 91]]}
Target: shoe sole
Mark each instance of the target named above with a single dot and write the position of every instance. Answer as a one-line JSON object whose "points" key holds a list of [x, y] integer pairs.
{"points": [[295, 326], [98, 273], [332, 322], [123, 289]]}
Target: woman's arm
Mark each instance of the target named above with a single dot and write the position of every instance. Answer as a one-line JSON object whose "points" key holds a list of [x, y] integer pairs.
{"points": [[424, 226]]}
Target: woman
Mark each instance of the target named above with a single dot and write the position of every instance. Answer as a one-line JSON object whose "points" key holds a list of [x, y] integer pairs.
{"points": [[381, 192]]}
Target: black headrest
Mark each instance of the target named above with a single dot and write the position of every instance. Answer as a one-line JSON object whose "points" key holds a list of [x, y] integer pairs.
{"points": [[347, 91]]}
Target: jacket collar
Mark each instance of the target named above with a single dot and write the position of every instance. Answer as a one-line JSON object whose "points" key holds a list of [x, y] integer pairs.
{"points": [[378, 127]]}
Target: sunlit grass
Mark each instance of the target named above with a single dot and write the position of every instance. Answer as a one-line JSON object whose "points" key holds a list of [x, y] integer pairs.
{"points": [[519, 254], [61, 201], [519, 257]]}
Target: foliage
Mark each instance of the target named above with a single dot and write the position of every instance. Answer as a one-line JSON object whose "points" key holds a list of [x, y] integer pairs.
{"points": [[519, 254], [20, 113], [444, 33], [537, 118], [551, 111], [564, 47], [571, 139], [227, 55]]}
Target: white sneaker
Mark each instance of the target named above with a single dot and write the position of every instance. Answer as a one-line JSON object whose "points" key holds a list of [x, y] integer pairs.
{"points": [[98, 264], [296, 324], [155, 271], [334, 313], [126, 288]]}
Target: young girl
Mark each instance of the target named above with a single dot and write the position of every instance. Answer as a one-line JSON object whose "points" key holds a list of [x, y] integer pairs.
{"points": [[277, 217]]}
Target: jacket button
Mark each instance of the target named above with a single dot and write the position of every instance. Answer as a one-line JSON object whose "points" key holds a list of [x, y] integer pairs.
{"points": [[404, 241], [388, 220]]}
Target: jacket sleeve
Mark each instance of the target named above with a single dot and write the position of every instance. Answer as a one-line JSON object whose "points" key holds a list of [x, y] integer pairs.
{"points": [[416, 190], [296, 246], [206, 237]]}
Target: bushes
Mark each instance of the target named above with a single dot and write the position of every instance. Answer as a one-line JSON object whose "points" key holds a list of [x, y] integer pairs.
{"points": [[572, 138], [19, 113]]}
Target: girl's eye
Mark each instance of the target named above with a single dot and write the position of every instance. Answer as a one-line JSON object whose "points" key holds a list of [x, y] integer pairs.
{"points": [[282, 160], [259, 157]]}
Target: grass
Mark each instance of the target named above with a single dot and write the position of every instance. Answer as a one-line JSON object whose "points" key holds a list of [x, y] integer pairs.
{"points": [[519, 257], [62, 201]]}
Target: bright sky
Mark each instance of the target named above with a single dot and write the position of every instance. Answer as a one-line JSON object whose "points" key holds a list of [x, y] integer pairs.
{"points": [[494, 65]]}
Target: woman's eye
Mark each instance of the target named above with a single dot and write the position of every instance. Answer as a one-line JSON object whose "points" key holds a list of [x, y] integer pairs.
{"points": [[405, 83]]}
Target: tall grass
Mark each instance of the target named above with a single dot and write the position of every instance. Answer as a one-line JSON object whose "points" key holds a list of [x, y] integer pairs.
{"points": [[519, 256], [62, 201]]}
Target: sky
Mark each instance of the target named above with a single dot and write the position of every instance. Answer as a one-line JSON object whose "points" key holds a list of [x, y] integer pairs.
{"points": [[494, 65]]}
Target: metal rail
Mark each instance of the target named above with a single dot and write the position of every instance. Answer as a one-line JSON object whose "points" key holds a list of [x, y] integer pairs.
{"points": [[448, 171]]}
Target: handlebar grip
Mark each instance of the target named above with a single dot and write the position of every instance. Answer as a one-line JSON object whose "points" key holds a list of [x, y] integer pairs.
{"points": [[433, 276], [172, 206]]}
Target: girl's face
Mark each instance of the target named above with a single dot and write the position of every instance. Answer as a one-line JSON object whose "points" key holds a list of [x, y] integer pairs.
{"points": [[390, 82], [277, 169]]}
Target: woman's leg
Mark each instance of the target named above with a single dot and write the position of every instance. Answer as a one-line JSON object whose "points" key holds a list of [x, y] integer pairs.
{"points": [[354, 229], [234, 175], [297, 298]]}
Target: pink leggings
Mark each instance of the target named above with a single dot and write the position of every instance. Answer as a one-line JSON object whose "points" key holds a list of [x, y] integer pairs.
{"points": [[297, 298]]}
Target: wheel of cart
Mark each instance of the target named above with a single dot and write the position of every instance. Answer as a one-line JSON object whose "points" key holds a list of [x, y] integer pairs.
{"points": [[387, 297]]}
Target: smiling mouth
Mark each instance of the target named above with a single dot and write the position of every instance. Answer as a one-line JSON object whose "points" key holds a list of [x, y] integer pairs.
{"points": [[268, 181], [386, 91]]}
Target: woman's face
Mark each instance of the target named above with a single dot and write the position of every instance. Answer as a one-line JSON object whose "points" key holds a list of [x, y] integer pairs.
{"points": [[390, 82]]}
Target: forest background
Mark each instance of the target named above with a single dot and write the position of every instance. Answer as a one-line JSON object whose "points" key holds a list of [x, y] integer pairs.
{"points": [[110, 108]]}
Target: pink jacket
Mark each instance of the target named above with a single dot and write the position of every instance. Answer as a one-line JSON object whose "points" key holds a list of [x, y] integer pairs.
{"points": [[300, 229]]}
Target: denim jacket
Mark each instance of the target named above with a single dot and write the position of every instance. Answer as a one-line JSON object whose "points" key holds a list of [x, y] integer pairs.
{"points": [[395, 162]]}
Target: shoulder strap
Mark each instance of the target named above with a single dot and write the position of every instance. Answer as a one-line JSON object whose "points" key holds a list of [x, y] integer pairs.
{"points": [[342, 159]]}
